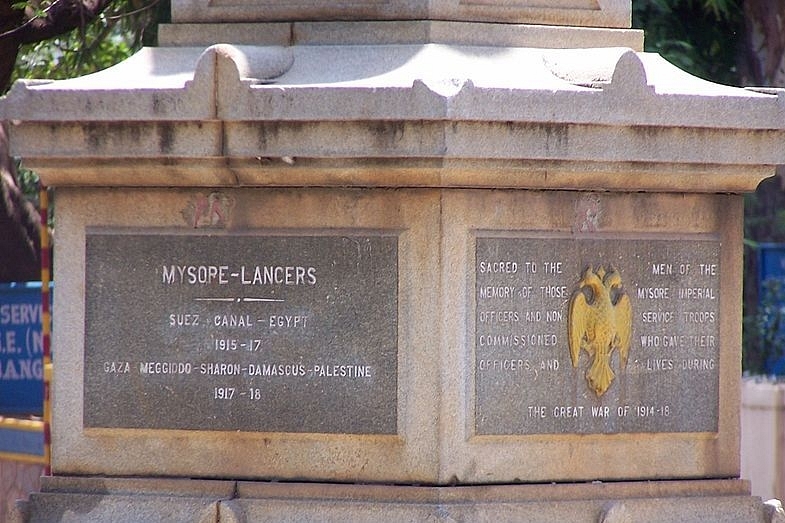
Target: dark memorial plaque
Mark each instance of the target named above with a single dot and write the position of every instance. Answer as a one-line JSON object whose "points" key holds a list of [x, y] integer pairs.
{"points": [[228, 332], [596, 335]]}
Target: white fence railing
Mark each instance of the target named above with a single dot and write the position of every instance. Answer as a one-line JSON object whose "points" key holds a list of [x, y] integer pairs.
{"points": [[763, 437]]}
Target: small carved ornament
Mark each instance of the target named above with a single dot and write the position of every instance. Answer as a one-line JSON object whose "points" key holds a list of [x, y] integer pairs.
{"points": [[212, 210]]}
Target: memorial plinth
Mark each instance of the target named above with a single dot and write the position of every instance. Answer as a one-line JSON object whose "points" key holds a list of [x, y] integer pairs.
{"points": [[429, 254]]}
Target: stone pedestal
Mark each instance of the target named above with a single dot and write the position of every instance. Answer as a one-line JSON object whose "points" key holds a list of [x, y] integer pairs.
{"points": [[461, 392], [487, 280], [67, 499]]}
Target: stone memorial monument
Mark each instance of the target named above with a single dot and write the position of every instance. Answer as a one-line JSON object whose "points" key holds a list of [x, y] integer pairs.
{"points": [[451, 260]]}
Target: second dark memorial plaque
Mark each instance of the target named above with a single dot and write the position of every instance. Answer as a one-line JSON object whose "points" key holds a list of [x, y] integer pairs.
{"points": [[292, 332], [551, 317]]}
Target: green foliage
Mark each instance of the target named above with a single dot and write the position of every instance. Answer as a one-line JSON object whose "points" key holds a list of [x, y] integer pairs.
{"points": [[703, 37], [28, 182], [109, 39], [35, 9], [65, 57]]}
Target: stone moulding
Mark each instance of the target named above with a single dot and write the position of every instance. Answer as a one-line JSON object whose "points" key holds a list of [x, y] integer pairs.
{"points": [[212, 501], [584, 13], [399, 32], [582, 118]]}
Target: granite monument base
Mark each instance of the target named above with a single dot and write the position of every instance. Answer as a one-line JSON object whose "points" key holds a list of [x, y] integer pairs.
{"points": [[407, 337], [471, 397], [411, 258], [86, 500]]}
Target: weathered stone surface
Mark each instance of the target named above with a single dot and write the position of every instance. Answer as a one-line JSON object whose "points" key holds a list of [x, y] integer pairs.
{"points": [[723, 501], [468, 454], [441, 392], [593, 13], [384, 314], [82, 508], [663, 378], [579, 118], [295, 332], [426, 132], [774, 511], [408, 32]]}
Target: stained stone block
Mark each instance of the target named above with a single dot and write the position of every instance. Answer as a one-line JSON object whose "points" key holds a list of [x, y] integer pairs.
{"points": [[548, 363], [75, 499], [404, 32], [524, 397], [223, 335], [83, 500], [397, 336], [587, 13], [251, 332]]}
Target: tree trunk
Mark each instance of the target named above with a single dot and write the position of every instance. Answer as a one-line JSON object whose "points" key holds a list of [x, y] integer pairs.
{"points": [[19, 220], [19, 225], [764, 60]]}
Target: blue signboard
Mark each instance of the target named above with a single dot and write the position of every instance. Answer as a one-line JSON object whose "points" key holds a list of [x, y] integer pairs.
{"points": [[771, 302], [771, 262], [21, 349], [22, 440]]}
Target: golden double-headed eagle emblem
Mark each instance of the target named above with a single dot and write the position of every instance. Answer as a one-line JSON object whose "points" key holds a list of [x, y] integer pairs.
{"points": [[599, 322]]}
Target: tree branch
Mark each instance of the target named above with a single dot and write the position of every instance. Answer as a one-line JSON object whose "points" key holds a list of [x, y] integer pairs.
{"points": [[59, 18], [9, 48]]}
